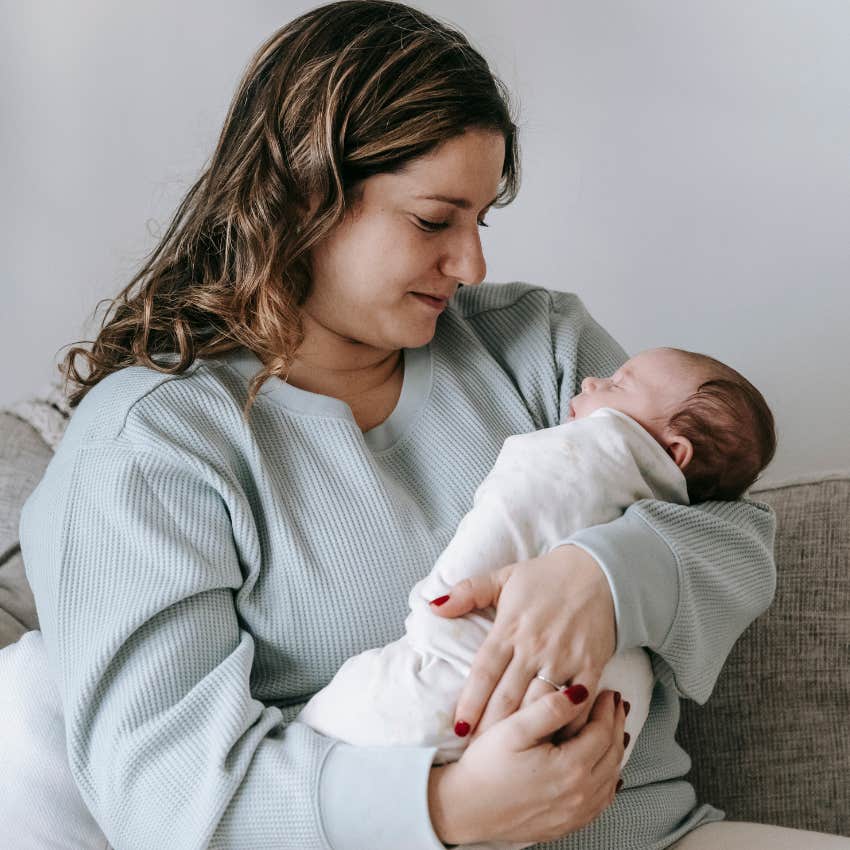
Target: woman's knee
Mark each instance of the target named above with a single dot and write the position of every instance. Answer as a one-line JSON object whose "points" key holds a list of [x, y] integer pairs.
{"points": [[737, 835]]}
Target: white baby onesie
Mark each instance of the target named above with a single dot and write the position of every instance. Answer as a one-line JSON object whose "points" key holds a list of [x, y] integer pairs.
{"points": [[544, 486]]}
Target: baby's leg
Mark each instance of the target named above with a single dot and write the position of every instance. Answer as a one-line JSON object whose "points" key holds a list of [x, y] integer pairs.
{"points": [[39, 801], [392, 696]]}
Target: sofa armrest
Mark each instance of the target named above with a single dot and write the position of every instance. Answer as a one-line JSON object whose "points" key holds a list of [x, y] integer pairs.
{"points": [[771, 744], [23, 459]]}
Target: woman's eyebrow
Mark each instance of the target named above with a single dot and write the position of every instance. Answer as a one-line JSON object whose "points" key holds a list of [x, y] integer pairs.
{"points": [[462, 203]]}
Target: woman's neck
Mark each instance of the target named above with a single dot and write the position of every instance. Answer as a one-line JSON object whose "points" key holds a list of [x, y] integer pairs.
{"points": [[345, 380], [334, 365]]}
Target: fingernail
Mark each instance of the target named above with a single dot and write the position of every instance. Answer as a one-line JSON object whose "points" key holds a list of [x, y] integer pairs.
{"points": [[439, 600], [627, 707], [617, 698], [576, 693], [461, 728], [619, 784], [626, 739]]}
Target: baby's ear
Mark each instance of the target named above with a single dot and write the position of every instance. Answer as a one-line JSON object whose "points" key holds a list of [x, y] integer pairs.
{"points": [[680, 449]]}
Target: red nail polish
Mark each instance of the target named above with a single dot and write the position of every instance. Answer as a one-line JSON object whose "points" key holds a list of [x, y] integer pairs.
{"points": [[439, 600], [576, 693], [619, 784], [627, 707], [461, 727], [626, 739], [617, 698]]}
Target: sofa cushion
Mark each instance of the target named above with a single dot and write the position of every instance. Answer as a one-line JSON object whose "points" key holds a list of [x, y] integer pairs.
{"points": [[772, 743], [23, 459]]}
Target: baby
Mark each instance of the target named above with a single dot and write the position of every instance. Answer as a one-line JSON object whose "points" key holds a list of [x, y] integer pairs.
{"points": [[669, 425]]}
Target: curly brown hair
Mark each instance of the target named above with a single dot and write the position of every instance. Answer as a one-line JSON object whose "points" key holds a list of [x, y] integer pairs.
{"points": [[344, 92]]}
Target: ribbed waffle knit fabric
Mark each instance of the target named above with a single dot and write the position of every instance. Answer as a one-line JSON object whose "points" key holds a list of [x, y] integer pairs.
{"points": [[198, 577]]}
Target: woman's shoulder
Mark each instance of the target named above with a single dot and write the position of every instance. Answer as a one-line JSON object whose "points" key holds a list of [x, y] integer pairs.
{"points": [[518, 317], [544, 339], [149, 409], [472, 301]]}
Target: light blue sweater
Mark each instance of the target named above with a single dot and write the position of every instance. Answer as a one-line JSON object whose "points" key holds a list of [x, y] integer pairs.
{"points": [[197, 580]]}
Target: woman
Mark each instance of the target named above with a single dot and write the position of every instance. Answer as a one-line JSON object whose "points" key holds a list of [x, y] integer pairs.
{"points": [[285, 416]]}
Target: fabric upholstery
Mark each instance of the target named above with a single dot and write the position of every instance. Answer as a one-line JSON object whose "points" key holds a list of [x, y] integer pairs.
{"points": [[772, 743], [23, 459]]}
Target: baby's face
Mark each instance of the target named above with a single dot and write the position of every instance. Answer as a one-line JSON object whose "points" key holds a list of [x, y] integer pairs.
{"points": [[648, 388]]}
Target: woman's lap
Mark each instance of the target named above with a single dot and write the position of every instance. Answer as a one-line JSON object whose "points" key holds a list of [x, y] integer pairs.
{"points": [[40, 802], [736, 835]]}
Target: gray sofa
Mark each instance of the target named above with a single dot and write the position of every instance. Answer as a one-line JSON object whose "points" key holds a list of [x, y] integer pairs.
{"points": [[773, 743]]}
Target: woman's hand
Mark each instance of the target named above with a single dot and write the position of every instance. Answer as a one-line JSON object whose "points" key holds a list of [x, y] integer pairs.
{"points": [[554, 615], [513, 784]]}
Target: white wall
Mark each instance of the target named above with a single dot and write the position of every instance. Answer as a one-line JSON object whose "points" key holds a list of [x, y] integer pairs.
{"points": [[687, 171]]}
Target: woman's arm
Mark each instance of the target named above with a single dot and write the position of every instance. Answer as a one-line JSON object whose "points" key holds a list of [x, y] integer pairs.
{"points": [[132, 559], [685, 581]]}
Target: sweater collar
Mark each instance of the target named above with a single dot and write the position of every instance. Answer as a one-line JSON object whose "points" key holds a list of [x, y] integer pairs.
{"points": [[415, 390]]}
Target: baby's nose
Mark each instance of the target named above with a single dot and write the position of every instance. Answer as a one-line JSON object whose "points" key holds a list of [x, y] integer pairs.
{"points": [[588, 385]]}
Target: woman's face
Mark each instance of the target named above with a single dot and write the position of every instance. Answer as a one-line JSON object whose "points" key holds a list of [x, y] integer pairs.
{"points": [[412, 233]]}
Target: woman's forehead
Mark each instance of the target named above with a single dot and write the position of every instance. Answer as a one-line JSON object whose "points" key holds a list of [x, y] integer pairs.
{"points": [[466, 169]]}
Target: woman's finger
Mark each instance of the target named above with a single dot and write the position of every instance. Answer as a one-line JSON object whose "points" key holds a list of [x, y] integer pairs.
{"points": [[489, 664], [540, 720], [608, 765], [607, 770], [537, 689], [471, 594], [508, 695], [594, 740], [602, 797], [590, 678]]}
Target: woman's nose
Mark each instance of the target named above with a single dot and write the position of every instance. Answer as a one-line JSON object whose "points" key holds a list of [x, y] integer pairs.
{"points": [[465, 260]]}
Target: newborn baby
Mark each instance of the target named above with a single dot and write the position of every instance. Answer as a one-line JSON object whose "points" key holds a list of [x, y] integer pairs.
{"points": [[669, 425]]}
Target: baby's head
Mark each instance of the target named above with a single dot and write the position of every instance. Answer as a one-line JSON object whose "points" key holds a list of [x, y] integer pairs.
{"points": [[712, 421]]}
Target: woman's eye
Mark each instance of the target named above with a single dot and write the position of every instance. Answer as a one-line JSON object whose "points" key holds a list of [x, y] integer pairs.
{"points": [[431, 226]]}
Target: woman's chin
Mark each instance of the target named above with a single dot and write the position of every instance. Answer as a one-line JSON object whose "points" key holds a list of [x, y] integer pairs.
{"points": [[420, 334]]}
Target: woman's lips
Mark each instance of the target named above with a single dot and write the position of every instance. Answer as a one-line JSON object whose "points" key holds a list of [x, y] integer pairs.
{"points": [[433, 303]]}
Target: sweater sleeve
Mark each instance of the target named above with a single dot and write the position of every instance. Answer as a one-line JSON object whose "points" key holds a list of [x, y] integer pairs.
{"points": [[686, 580], [134, 567]]}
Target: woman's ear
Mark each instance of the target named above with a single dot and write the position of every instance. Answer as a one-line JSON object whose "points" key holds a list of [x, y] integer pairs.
{"points": [[680, 449]]}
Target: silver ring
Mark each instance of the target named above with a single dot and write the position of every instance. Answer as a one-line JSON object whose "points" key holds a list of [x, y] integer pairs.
{"points": [[556, 686]]}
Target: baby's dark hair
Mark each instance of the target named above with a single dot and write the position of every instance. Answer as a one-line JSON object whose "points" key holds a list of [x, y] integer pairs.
{"points": [[730, 427]]}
